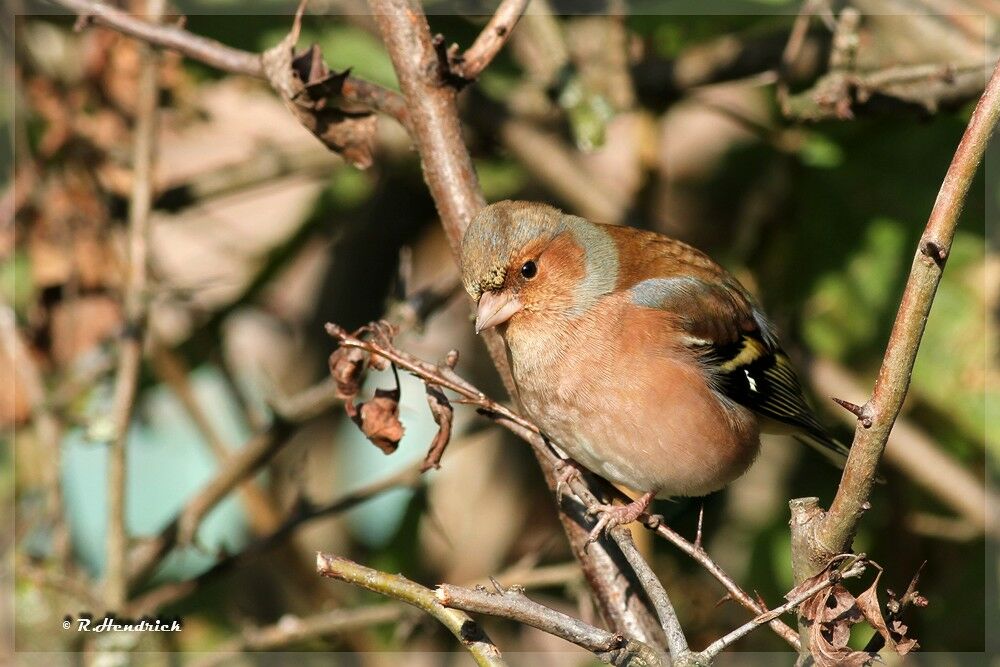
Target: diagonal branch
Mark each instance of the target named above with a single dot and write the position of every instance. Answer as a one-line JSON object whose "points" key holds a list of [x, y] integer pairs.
{"points": [[514, 605], [720, 645], [676, 642], [400, 588], [832, 532], [489, 42], [222, 57]]}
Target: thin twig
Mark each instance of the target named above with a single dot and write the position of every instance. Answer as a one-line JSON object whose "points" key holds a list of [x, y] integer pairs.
{"points": [[514, 605], [172, 591], [400, 588], [182, 530], [240, 466], [719, 645], [293, 629], [744, 599], [223, 57], [835, 532], [489, 42], [172, 370], [135, 300]]}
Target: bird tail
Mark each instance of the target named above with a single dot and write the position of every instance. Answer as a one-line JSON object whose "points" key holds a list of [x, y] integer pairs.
{"points": [[831, 448]]}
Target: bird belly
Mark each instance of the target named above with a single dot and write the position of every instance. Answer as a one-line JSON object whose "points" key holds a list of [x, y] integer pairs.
{"points": [[656, 449], [647, 423]]}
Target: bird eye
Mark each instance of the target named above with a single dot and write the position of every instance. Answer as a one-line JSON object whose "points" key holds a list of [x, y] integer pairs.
{"points": [[529, 270]]}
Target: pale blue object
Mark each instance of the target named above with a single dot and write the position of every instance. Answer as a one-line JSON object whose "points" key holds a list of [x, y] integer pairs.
{"points": [[359, 462], [168, 462]]}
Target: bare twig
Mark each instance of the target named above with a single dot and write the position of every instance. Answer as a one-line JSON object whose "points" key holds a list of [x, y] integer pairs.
{"points": [[833, 531], [293, 629], [701, 556], [171, 369], [243, 463], [400, 588], [489, 42], [224, 57], [719, 645], [260, 449], [135, 300], [305, 513], [514, 605], [182, 530]]}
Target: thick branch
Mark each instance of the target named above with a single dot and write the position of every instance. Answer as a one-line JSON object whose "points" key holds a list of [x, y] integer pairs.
{"points": [[400, 588], [835, 532], [919, 457], [514, 605]]}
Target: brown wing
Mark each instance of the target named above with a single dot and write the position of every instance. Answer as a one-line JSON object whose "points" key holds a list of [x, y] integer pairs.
{"points": [[723, 326]]}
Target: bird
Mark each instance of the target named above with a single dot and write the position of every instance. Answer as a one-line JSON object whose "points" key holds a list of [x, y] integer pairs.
{"points": [[637, 355]]}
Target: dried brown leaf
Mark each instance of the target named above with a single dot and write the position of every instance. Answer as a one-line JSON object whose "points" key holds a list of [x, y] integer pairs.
{"points": [[443, 414], [347, 365], [379, 419], [894, 633], [830, 614], [313, 94]]}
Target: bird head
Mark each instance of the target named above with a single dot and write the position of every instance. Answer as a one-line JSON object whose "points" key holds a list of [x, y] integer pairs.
{"points": [[525, 258]]}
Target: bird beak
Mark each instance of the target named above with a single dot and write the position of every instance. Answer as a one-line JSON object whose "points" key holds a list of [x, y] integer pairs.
{"points": [[495, 308]]}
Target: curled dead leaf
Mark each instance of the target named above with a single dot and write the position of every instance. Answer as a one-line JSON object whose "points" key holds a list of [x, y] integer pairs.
{"points": [[379, 419], [443, 414], [347, 366], [829, 615], [894, 631], [312, 92], [833, 611]]}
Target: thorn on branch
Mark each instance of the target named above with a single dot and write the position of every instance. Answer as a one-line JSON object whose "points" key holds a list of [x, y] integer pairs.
{"points": [[859, 411], [701, 518]]}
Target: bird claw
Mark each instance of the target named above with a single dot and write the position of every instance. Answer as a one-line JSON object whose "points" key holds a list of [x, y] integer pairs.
{"points": [[611, 516], [567, 472]]}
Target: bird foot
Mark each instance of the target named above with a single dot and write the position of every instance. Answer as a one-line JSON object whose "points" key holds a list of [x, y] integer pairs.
{"points": [[617, 515], [567, 472]]}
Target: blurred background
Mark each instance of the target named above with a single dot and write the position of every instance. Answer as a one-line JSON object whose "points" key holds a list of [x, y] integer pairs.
{"points": [[807, 169]]}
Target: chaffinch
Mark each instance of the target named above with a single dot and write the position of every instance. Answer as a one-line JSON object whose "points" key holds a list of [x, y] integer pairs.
{"points": [[640, 357]]}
